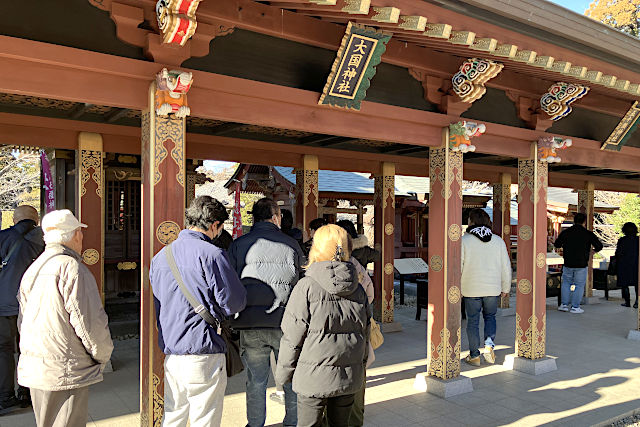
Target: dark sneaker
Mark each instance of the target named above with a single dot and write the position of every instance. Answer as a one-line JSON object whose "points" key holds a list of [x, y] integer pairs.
{"points": [[9, 405]]}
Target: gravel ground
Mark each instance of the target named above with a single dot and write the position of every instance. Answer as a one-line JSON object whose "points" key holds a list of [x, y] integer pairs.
{"points": [[632, 421]]}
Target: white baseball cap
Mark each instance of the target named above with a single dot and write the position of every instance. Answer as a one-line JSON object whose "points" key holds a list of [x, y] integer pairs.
{"points": [[62, 220]]}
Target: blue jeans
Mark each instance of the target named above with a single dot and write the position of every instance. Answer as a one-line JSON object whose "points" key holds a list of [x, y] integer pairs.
{"points": [[489, 307], [573, 276], [255, 348]]}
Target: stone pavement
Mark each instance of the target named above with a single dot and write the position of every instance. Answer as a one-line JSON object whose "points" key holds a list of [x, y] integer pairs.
{"points": [[598, 378]]}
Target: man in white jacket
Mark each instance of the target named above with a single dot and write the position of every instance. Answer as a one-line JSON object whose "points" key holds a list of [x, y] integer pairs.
{"points": [[486, 276]]}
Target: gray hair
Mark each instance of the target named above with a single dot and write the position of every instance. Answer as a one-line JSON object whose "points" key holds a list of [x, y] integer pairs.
{"points": [[54, 236], [204, 211]]}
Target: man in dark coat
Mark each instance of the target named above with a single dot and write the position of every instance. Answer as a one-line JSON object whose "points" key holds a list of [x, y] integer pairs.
{"points": [[576, 243], [627, 262], [20, 245], [269, 264]]}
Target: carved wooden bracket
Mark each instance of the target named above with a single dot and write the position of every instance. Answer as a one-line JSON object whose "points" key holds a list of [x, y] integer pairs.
{"points": [[528, 109], [138, 26], [438, 91]]}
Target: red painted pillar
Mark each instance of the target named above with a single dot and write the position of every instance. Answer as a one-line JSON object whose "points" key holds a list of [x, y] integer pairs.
{"points": [[532, 252], [384, 201], [502, 217], [163, 204], [445, 218], [586, 205], [90, 185], [307, 193]]}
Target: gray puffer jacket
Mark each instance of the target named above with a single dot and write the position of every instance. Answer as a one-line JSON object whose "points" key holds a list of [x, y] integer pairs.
{"points": [[326, 330], [269, 264]]}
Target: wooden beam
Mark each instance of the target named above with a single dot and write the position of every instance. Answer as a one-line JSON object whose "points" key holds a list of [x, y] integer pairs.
{"points": [[115, 114], [79, 110], [227, 128]]}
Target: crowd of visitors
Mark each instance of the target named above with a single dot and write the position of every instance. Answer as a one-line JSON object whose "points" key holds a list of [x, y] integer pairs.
{"points": [[225, 305]]}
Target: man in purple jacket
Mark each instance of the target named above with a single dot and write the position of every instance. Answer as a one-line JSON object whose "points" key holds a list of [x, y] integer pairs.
{"points": [[195, 372]]}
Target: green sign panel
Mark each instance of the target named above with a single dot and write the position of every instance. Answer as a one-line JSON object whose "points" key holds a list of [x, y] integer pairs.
{"points": [[354, 67]]}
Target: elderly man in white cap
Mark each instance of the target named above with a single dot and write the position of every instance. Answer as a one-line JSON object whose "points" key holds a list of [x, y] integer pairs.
{"points": [[64, 338]]}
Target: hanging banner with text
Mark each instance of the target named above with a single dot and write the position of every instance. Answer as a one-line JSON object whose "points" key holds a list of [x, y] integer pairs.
{"points": [[355, 65], [47, 184]]}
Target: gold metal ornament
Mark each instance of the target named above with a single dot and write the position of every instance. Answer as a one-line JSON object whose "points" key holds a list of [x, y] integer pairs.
{"points": [[435, 263], [388, 229], [388, 268], [524, 286], [453, 295], [454, 232], [541, 260], [90, 256], [167, 232], [525, 232]]}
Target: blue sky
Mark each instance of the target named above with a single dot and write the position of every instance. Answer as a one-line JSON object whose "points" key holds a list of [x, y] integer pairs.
{"points": [[578, 6]]}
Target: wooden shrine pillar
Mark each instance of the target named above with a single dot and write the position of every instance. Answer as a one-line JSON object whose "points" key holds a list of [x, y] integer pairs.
{"points": [[307, 193], [163, 200], [445, 231], [384, 201], [502, 217], [531, 319], [586, 204], [90, 203]]}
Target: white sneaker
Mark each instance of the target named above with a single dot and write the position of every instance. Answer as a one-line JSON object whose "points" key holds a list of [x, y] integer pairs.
{"points": [[576, 310], [563, 307]]}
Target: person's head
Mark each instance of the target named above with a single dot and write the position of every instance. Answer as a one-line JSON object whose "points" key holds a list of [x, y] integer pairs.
{"points": [[330, 243], [349, 227], [266, 209], [630, 229], [479, 217], [315, 224], [579, 218], [206, 215], [23, 212], [287, 220], [62, 228]]}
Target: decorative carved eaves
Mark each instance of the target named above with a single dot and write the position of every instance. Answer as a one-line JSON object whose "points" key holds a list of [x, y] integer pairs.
{"points": [[528, 110], [130, 16], [438, 91]]}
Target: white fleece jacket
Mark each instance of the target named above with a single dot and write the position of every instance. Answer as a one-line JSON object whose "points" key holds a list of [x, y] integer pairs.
{"points": [[486, 268]]}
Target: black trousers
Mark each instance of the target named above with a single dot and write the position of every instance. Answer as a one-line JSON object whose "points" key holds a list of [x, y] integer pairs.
{"points": [[626, 294], [8, 347], [311, 410]]}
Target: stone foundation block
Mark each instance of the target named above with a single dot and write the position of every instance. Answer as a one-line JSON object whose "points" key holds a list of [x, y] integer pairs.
{"points": [[634, 335], [528, 366], [590, 300], [388, 328], [443, 388], [506, 312]]}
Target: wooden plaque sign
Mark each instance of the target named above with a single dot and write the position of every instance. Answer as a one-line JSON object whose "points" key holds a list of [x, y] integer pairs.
{"points": [[354, 67], [624, 129]]}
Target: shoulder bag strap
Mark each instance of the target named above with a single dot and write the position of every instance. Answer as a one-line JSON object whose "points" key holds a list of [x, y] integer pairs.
{"points": [[35, 276], [197, 306], [13, 247]]}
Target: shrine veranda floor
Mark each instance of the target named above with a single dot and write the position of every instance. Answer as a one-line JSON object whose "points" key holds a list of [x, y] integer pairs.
{"points": [[598, 378]]}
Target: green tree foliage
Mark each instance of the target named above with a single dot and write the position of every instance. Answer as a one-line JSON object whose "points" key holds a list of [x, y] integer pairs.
{"points": [[629, 212], [19, 179], [621, 14]]}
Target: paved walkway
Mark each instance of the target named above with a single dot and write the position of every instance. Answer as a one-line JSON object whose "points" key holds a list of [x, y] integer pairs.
{"points": [[598, 378]]}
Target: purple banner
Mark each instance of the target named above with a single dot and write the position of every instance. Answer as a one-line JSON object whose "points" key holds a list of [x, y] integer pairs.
{"points": [[48, 187]]}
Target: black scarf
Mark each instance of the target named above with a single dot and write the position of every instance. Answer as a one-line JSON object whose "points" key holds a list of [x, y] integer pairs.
{"points": [[482, 232]]}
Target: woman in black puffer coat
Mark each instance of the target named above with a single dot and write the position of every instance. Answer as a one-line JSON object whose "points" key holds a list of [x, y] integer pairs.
{"points": [[326, 331]]}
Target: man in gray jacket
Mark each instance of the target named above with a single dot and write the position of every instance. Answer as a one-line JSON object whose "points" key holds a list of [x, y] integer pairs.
{"points": [[269, 265], [64, 338]]}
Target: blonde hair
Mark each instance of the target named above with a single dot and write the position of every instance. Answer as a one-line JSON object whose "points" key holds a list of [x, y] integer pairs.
{"points": [[330, 243]]}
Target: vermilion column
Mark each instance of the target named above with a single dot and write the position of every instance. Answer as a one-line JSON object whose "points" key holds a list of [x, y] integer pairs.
{"points": [[532, 252], [163, 203], [90, 184], [307, 193], [586, 205], [384, 201], [445, 218], [502, 217]]}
